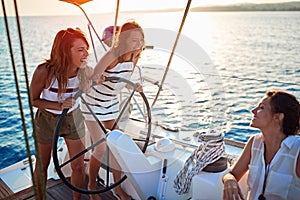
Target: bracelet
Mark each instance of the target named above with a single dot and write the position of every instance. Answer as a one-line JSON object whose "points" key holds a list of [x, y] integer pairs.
{"points": [[230, 174]]}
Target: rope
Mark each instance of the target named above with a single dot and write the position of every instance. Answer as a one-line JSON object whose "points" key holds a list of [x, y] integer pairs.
{"points": [[207, 153], [90, 24], [93, 44], [116, 22], [173, 50], [19, 93], [32, 117]]}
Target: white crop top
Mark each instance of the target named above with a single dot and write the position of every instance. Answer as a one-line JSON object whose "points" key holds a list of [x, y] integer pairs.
{"points": [[51, 93]]}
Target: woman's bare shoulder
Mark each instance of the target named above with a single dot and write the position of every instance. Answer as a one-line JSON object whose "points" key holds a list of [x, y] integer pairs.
{"points": [[40, 74], [41, 69]]}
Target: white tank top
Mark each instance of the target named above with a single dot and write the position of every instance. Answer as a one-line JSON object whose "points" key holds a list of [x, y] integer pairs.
{"points": [[51, 93], [282, 181]]}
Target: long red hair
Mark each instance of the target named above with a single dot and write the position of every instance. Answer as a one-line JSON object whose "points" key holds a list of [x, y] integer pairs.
{"points": [[60, 56]]}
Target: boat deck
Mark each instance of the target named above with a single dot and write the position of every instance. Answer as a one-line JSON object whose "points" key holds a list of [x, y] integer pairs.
{"points": [[56, 190]]}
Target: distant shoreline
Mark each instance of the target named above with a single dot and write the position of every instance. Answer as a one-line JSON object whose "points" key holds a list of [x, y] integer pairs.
{"points": [[246, 7], [289, 6]]}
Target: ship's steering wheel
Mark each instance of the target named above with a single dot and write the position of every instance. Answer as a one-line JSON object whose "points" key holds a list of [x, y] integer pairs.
{"points": [[59, 166]]}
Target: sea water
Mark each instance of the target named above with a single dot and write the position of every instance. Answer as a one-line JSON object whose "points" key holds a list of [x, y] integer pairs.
{"points": [[251, 52]]}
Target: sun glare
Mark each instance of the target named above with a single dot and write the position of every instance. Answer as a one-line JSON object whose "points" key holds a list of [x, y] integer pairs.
{"points": [[58, 7]]}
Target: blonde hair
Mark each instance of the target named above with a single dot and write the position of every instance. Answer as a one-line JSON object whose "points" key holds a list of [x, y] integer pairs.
{"points": [[120, 47]]}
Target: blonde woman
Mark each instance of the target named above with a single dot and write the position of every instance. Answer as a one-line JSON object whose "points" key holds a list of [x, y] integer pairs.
{"points": [[119, 61]]}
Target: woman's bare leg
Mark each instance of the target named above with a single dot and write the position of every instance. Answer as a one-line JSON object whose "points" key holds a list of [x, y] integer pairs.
{"points": [[45, 156], [77, 165], [117, 176], [96, 157], [116, 169]]}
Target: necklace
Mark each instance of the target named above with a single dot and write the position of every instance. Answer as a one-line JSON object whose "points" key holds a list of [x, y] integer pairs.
{"points": [[261, 196], [267, 168]]}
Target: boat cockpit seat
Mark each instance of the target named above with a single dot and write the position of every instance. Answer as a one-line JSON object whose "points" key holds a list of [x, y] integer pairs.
{"points": [[142, 172]]}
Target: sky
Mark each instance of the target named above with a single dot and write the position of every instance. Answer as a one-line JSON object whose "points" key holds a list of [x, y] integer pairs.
{"points": [[56, 7]]}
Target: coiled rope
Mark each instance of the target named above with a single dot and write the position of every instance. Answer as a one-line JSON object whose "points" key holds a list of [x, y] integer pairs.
{"points": [[207, 152]]}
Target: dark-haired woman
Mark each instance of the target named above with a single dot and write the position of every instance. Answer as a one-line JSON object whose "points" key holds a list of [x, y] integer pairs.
{"points": [[272, 157]]}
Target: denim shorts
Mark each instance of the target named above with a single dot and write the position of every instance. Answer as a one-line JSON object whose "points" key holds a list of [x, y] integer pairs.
{"points": [[72, 126]]}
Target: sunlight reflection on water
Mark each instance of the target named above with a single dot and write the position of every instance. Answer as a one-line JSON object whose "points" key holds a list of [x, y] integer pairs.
{"points": [[252, 52]]}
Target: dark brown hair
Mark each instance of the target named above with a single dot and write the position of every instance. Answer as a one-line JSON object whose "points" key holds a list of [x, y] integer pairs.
{"points": [[283, 102]]}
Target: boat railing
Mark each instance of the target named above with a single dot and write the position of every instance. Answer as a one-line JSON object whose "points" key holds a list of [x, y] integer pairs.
{"points": [[189, 145]]}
